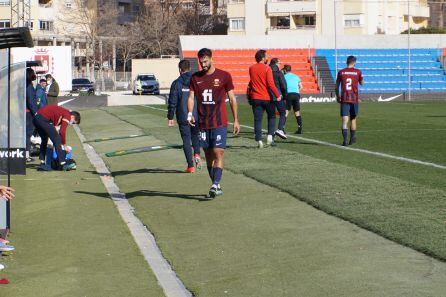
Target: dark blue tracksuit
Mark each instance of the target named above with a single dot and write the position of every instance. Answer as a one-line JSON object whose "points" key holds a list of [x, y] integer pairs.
{"points": [[31, 110], [177, 104]]}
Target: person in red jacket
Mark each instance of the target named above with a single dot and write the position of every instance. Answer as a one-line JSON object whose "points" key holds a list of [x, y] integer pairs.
{"points": [[46, 120], [261, 81]]}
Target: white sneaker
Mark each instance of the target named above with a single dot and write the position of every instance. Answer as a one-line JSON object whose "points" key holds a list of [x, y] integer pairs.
{"points": [[260, 144], [2, 266], [281, 134], [269, 139]]}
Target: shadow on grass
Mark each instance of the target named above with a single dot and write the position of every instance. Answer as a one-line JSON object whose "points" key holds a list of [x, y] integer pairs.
{"points": [[149, 193], [297, 142], [145, 170], [140, 171], [436, 116]]}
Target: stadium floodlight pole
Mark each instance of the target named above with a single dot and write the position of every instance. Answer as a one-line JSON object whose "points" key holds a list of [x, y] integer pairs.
{"points": [[335, 39], [409, 53], [8, 203]]}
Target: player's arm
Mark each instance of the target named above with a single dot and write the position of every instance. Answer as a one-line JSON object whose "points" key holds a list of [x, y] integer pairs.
{"points": [[361, 79], [338, 84], [172, 104], [234, 108], [190, 108]]}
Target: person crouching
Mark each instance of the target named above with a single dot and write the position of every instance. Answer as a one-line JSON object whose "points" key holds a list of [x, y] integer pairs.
{"points": [[46, 120]]}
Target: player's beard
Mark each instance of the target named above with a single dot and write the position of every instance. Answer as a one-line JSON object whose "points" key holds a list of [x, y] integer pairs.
{"points": [[206, 69]]}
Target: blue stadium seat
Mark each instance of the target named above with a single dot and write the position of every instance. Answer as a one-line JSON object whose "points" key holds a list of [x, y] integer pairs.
{"points": [[387, 70]]}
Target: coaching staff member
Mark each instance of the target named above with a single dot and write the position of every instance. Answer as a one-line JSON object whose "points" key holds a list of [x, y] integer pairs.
{"points": [[261, 80], [177, 104]]}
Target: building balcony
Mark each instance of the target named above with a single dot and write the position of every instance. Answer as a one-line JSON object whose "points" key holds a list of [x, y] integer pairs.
{"points": [[282, 30], [290, 7]]}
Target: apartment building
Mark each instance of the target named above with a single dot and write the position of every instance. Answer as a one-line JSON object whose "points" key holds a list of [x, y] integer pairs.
{"points": [[57, 22], [438, 13], [325, 17]]}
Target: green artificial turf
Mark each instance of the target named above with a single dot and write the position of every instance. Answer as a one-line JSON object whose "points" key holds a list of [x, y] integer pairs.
{"points": [[259, 240], [69, 243]]}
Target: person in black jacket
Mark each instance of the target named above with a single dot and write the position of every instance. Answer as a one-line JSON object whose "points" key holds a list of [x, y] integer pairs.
{"points": [[31, 109], [177, 104], [279, 81]]}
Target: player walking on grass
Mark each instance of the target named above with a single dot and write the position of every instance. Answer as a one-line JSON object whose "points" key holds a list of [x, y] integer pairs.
{"points": [[348, 79], [294, 86], [210, 86], [177, 104]]}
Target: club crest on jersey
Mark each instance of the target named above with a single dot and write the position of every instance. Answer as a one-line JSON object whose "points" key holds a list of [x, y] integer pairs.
{"points": [[216, 82]]}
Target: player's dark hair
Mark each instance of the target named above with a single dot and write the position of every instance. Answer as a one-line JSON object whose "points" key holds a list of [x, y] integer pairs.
{"points": [[260, 55], [204, 52], [274, 61], [287, 67], [184, 65], [30, 76], [48, 76], [77, 116], [42, 80], [351, 60]]}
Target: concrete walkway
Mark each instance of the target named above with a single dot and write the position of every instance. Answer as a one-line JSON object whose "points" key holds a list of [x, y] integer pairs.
{"points": [[120, 98]]}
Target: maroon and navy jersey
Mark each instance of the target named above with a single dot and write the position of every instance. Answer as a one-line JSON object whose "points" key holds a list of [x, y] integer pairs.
{"points": [[210, 92], [349, 78]]}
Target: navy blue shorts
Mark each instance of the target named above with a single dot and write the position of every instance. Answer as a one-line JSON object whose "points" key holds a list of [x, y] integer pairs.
{"points": [[213, 138], [349, 109]]}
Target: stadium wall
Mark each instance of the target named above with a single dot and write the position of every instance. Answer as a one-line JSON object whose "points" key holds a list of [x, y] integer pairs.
{"points": [[165, 70], [192, 42]]}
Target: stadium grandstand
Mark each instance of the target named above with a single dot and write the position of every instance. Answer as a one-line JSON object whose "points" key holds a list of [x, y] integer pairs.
{"points": [[386, 68]]}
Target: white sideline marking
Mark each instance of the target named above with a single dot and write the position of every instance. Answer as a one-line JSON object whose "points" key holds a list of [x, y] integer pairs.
{"points": [[371, 131], [65, 102], [382, 155], [168, 280]]}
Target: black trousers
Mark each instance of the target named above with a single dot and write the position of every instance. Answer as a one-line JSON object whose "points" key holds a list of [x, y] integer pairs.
{"points": [[46, 130], [258, 108], [29, 129], [189, 135]]}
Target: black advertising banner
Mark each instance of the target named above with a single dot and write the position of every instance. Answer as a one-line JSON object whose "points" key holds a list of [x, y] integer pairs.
{"points": [[18, 161]]}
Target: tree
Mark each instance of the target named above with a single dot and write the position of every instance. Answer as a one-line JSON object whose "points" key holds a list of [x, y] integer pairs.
{"points": [[88, 21], [131, 44], [200, 20], [159, 27]]}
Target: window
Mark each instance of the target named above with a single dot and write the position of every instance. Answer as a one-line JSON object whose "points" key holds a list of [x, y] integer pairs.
{"points": [[282, 22], [5, 2], [124, 7], [5, 24], [310, 20], [353, 20], [237, 24], [69, 5], [46, 25], [29, 24], [236, 1], [136, 8]]}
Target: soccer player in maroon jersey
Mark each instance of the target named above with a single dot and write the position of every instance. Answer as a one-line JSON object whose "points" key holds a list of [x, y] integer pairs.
{"points": [[349, 78], [210, 86]]}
